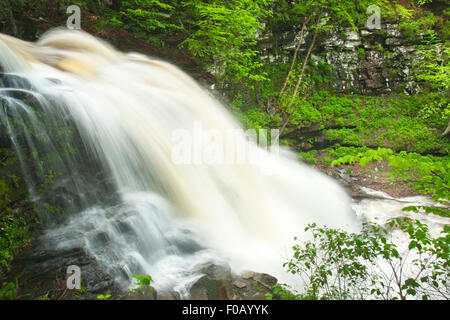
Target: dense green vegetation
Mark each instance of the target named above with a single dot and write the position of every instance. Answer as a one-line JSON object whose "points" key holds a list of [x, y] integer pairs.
{"points": [[141, 287], [18, 220], [292, 90], [336, 265]]}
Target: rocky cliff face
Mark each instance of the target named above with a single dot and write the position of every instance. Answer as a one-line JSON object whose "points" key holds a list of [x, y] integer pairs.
{"points": [[41, 273], [371, 62]]}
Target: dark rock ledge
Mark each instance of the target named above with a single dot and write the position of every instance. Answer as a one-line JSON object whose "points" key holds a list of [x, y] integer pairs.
{"points": [[41, 273]]}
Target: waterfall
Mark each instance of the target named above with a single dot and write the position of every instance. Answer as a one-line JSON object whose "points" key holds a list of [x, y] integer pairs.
{"points": [[96, 131]]}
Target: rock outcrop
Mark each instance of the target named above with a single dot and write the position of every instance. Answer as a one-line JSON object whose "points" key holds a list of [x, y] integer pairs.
{"points": [[41, 273], [372, 62], [219, 283]]}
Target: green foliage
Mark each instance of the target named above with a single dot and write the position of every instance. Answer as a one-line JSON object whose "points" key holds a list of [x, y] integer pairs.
{"points": [[345, 136], [308, 157], [14, 235], [410, 123], [422, 2], [4, 11], [327, 110], [369, 265], [283, 291], [445, 25], [352, 13], [222, 33], [293, 12], [431, 174], [142, 281], [146, 18], [305, 115], [16, 219], [225, 34], [363, 157], [339, 152], [434, 67], [257, 119], [435, 110], [334, 106], [361, 53], [8, 291], [411, 26], [81, 292]]}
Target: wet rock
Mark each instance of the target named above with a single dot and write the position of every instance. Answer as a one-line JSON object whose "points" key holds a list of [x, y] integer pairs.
{"points": [[393, 42], [392, 30], [354, 174], [386, 48], [186, 242], [209, 289], [352, 35], [217, 272], [365, 33], [213, 285], [98, 239], [239, 284], [168, 295], [248, 275], [41, 272], [123, 227], [141, 293], [221, 284], [100, 287], [266, 280]]}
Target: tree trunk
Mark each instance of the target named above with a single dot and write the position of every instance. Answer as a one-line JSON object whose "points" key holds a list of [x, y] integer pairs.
{"points": [[300, 41], [300, 78], [116, 5], [288, 118], [447, 131]]}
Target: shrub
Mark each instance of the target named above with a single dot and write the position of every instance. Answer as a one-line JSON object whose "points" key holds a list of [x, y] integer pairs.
{"points": [[337, 265]]}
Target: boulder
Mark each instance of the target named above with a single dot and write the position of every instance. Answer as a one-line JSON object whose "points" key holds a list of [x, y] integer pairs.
{"points": [[219, 283]]}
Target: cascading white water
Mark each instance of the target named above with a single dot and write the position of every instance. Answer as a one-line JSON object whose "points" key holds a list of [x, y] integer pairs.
{"points": [[164, 217]]}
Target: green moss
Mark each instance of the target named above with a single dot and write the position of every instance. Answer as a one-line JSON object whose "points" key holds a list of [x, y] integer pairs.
{"points": [[380, 48], [345, 136], [308, 157], [15, 233], [361, 53], [18, 220], [411, 28]]}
